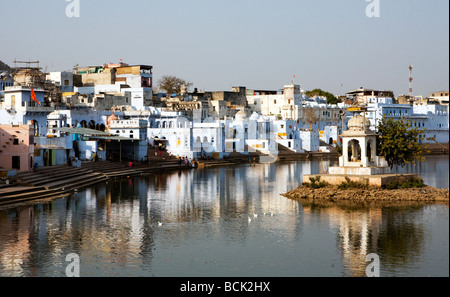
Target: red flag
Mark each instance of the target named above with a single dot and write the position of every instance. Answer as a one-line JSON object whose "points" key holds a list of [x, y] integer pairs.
{"points": [[33, 96]]}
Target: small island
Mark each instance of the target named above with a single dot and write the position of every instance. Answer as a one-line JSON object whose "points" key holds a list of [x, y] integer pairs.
{"points": [[360, 192]]}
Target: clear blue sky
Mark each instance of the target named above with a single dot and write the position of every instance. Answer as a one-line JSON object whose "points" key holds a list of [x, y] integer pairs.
{"points": [[217, 44]]}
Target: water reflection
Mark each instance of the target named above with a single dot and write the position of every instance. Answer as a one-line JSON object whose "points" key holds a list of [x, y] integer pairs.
{"points": [[115, 229], [394, 231]]}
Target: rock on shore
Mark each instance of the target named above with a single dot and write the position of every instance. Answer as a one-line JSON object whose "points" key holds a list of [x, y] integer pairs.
{"points": [[332, 193]]}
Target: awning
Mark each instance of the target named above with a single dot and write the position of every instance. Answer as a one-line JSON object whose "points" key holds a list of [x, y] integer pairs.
{"points": [[83, 131], [112, 137], [93, 134]]}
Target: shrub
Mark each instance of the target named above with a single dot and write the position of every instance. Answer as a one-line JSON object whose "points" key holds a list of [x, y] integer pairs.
{"points": [[315, 183], [349, 184], [396, 184]]}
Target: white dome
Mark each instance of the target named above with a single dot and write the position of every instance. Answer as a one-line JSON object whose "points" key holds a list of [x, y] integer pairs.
{"points": [[255, 116], [357, 123], [240, 116]]}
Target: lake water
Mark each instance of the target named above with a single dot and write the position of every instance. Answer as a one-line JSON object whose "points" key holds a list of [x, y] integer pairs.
{"points": [[227, 222]]}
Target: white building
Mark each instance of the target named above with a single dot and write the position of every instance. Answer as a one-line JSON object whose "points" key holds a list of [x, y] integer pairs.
{"points": [[285, 105], [433, 118], [441, 96], [62, 79], [135, 133], [18, 108]]}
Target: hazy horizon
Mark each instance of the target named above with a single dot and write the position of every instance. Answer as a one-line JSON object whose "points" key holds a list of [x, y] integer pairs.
{"points": [[332, 45]]}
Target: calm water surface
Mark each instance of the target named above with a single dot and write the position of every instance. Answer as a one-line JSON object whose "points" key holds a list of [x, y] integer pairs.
{"points": [[206, 231]]}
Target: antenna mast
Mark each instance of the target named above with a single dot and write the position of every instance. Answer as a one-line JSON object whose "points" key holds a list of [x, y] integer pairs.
{"points": [[410, 81]]}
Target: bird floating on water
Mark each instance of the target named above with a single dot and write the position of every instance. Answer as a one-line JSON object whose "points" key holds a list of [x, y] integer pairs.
{"points": [[159, 224]]}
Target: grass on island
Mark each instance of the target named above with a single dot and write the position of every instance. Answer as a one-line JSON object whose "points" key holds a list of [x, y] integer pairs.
{"points": [[316, 183]]}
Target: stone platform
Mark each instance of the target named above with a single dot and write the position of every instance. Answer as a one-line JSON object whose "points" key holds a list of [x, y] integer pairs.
{"points": [[359, 170], [379, 180]]}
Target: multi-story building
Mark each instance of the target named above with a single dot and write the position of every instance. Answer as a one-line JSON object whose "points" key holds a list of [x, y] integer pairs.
{"points": [[441, 96], [64, 80], [363, 96], [17, 147], [432, 117], [19, 108], [133, 82]]}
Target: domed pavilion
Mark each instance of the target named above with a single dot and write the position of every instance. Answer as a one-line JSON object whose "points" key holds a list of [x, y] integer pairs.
{"points": [[359, 160]]}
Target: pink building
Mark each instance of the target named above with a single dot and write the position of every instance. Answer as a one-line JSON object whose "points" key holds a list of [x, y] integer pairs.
{"points": [[17, 147]]}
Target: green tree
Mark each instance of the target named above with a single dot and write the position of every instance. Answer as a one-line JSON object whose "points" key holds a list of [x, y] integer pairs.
{"points": [[399, 143], [331, 99], [172, 84]]}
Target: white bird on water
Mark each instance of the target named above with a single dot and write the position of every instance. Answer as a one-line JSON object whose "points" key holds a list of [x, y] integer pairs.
{"points": [[255, 215], [249, 220], [159, 224]]}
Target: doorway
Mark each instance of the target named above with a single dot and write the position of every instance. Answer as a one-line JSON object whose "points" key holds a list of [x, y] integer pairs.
{"points": [[16, 162]]}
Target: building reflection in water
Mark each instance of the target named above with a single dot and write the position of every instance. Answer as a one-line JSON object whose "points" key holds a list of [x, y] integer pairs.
{"points": [[393, 231], [114, 227]]}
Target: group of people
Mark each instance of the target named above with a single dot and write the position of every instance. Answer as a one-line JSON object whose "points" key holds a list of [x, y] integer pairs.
{"points": [[188, 162]]}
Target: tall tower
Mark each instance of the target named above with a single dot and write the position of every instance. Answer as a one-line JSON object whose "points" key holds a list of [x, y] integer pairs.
{"points": [[410, 81]]}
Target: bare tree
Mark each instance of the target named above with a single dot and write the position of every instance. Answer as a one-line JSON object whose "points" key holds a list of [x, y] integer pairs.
{"points": [[172, 84], [309, 114]]}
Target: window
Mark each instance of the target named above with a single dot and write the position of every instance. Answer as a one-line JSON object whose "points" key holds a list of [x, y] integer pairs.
{"points": [[16, 162], [16, 141], [274, 101], [66, 82]]}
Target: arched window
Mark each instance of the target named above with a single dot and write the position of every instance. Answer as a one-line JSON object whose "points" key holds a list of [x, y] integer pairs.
{"points": [[354, 151], [36, 128], [369, 151]]}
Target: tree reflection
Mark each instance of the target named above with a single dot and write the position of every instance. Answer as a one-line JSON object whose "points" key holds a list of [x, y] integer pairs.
{"points": [[394, 231]]}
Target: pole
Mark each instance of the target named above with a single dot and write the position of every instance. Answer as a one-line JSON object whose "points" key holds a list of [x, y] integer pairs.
{"points": [[120, 154]]}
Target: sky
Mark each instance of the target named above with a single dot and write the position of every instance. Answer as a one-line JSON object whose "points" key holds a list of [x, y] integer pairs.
{"points": [[259, 44]]}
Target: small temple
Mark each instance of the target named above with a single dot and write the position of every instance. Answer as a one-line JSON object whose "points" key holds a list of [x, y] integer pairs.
{"points": [[359, 161]]}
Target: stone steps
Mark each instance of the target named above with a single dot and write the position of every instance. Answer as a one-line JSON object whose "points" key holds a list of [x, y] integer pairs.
{"points": [[22, 195]]}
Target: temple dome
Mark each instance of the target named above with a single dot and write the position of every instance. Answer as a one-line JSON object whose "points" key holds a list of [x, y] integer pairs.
{"points": [[255, 116], [111, 118], [240, 116], [357, 123]]}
